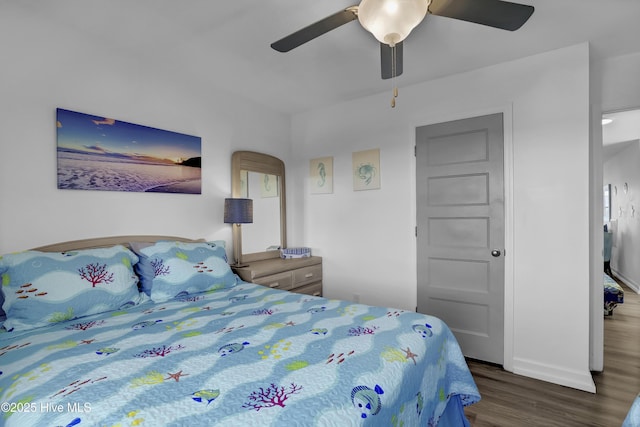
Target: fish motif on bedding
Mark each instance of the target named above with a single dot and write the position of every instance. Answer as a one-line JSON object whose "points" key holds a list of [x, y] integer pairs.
{"points": [[247, 355]]}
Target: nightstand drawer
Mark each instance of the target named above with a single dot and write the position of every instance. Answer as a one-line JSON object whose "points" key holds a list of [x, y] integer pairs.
{"points": [[306, 275], [282, 281], [302, 275], [314, 289]]}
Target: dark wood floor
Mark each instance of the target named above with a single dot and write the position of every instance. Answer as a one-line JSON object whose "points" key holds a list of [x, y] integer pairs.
{"points": [[511, 400]]}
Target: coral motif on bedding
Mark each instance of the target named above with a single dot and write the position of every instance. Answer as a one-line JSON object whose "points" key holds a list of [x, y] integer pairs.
{"points": [[96, 274], [362, 330], [83, 326], [187, 298], [159, 269], [263, 312], [161, 351], [271, 396]]}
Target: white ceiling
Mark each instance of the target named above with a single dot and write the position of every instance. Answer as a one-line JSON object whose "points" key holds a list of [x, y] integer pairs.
{"points": [[625, 127], [226, 43], [622, 132]]}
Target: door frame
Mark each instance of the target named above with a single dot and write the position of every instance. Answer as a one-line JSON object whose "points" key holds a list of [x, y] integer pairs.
{"points": [[507, 116]]}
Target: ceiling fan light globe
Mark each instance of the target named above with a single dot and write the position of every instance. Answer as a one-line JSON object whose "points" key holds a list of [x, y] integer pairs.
{"points": [[391, 21]]}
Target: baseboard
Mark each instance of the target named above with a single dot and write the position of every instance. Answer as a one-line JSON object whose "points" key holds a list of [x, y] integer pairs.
{"points": [[628, 282], [580, 380]]}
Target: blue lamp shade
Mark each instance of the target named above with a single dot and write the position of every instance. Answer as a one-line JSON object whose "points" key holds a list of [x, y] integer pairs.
{"points": [[238, 211]]}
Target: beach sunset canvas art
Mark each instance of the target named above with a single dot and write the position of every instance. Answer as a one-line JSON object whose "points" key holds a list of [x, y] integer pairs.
{"points": [[99, 153]]}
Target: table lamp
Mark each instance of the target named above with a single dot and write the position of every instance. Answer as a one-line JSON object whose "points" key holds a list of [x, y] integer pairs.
{"points": [[237, 211]]}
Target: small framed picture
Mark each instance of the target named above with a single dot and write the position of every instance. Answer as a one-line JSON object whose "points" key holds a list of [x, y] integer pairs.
{"points": [[321, 175], [366, 169], [269, 186]]}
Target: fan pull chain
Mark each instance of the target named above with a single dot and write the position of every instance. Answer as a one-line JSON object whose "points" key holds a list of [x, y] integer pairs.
{"points": [[393, 76]]}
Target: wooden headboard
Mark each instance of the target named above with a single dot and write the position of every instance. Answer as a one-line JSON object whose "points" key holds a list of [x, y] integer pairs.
{"points": [[102, 242]]}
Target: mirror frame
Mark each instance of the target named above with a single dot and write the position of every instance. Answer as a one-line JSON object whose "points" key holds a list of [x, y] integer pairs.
{"points": [[260, 163]]}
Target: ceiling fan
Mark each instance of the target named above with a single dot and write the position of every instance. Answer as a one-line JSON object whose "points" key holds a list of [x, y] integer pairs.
{"points": [[391, 21]]}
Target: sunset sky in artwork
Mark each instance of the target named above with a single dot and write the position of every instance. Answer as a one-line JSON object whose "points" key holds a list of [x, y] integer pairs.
{"points": [[101, 135]]}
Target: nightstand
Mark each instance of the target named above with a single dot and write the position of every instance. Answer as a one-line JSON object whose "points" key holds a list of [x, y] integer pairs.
{"points": [[300, 275]]}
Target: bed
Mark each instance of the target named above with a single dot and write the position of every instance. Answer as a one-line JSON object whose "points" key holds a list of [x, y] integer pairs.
{"points": [[613, 294], [633, 416], [161, 332]]}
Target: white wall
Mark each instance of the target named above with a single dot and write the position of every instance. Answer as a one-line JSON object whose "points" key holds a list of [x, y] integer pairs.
{"points": [[367, 238], [625, 211], [620, 82], [45, 66]]}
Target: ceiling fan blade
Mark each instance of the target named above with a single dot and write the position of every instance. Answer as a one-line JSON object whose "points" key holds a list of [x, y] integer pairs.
{"points": [[493, 13], [316, 29], [387, 60]]}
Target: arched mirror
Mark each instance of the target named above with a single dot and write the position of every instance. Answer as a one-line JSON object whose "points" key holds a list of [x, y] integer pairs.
{"points": [[260, 177]]}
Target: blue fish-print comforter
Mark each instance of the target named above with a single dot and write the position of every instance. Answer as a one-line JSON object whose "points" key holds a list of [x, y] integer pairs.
{"points": [[245, 356], [613, 294], [633, 416]]}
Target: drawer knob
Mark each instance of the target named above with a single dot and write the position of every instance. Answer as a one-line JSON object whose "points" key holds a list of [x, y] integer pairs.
{"points": [[274, 284], [308, 275]]}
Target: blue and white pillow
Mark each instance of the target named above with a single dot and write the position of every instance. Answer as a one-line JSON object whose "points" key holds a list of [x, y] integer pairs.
{"points": [[41, 288], [168, 269]]}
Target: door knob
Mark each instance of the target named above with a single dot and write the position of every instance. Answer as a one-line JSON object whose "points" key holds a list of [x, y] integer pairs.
{"points": [[495, 253]]}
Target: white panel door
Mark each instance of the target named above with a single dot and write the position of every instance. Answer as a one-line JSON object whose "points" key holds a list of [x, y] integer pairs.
{"points": [[460, 236]]}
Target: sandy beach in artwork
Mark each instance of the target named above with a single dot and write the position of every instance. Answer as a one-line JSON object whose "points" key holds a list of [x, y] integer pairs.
{"points": [[91, 172]]}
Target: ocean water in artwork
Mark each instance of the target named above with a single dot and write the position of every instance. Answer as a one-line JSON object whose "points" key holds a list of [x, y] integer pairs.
{"points": [[86, 171]]}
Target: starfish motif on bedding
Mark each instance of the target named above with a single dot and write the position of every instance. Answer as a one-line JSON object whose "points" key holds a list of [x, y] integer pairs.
{"points": [[176, 376], [410, 355]]}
